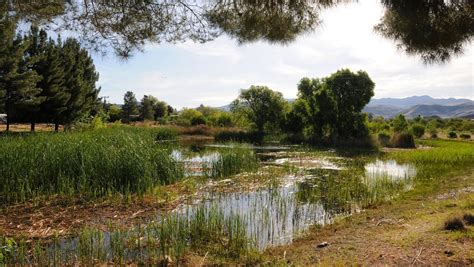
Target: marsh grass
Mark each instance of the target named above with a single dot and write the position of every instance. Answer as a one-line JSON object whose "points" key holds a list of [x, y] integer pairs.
{"points": [[118, 160], [167, 239], [231, 161]]}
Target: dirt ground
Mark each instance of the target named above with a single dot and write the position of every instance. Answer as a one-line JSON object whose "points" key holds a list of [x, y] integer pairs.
{"points": [[407, 232]]}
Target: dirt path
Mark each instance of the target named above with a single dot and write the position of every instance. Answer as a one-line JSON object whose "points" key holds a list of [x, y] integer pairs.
{"points": [[407, 232]]}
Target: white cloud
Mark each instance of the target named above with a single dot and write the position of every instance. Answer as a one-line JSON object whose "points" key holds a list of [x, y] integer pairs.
{"points": [[189, 74]]}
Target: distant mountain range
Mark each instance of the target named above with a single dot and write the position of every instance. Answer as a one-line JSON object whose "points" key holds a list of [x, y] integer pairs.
{"points": [[413, 106], [425, 106], [417, 100]]}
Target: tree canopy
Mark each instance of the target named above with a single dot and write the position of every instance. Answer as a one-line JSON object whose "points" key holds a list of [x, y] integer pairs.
{"points": [[43, 80], [261, 105], [330, 108], [434, 30]]}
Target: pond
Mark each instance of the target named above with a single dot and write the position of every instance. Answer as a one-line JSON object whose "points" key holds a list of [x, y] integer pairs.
{"points": [[317, 188], [327, 187]]}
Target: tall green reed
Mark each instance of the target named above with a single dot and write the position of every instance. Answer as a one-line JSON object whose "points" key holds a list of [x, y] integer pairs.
{"points": [[231, 161], [91, 163]]}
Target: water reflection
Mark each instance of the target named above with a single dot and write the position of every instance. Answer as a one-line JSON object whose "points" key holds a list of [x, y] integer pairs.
{"points": [[276, 215]]}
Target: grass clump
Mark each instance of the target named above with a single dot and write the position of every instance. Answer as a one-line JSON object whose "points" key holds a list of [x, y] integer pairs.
{"points": [[118, 160], [231, 161], [454, 224]]}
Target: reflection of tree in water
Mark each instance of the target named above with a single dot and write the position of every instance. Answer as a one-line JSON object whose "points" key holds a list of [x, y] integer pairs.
{"points": [[335, 190], [435, 30], [432, 29]]}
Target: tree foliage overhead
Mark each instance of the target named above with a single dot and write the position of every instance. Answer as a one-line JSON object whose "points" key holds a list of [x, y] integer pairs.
{"points": [[435, 30], [432, 29]]}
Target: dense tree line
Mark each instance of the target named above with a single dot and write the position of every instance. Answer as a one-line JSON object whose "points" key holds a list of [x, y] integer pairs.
{"points": [[327, 110], [44, 80], [148, 109]]}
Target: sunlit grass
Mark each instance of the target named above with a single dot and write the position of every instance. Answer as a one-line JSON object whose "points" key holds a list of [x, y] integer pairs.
{"points": [[119, 160]]}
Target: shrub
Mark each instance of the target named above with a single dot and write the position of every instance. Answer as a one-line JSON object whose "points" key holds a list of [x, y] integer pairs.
{"points": [[199, 120], [465, 136], [454, 224], [452, 134], [468, 218], [403, 140], [383, 138], [418, 130]]}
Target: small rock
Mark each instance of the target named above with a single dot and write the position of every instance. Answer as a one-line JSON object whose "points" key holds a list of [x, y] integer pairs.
{"points": [[322, 245]]}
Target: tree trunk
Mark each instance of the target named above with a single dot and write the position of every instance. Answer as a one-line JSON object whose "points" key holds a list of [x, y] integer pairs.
{"points": [[56, 127], [32, 126], [8, 125]]}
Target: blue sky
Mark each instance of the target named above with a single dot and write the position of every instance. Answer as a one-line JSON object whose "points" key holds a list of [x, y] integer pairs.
{"points": [[189, 74]]}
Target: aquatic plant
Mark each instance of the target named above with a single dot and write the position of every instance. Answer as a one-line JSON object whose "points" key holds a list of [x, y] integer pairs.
{"points": [[166, 239], [230, 161], [92, 163]]}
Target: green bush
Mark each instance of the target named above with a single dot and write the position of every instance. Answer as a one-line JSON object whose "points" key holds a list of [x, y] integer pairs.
{"points": [[452, 134], [418, 130], [199, 120], [403, 140], [383, 138]]}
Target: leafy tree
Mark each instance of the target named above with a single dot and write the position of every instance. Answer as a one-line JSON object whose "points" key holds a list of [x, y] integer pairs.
{"points": [[351, 92], [130, 106], [330, 108], [262, 106], [115, 113], [187, 115], [170, 110], [162, 109], [399, 124], [148, 107]]}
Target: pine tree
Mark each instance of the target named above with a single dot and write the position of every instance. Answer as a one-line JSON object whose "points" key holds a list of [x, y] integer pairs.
{"points": [[130, 106], [52, 84], [79, 80], [147, 107], [20, 96]]}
